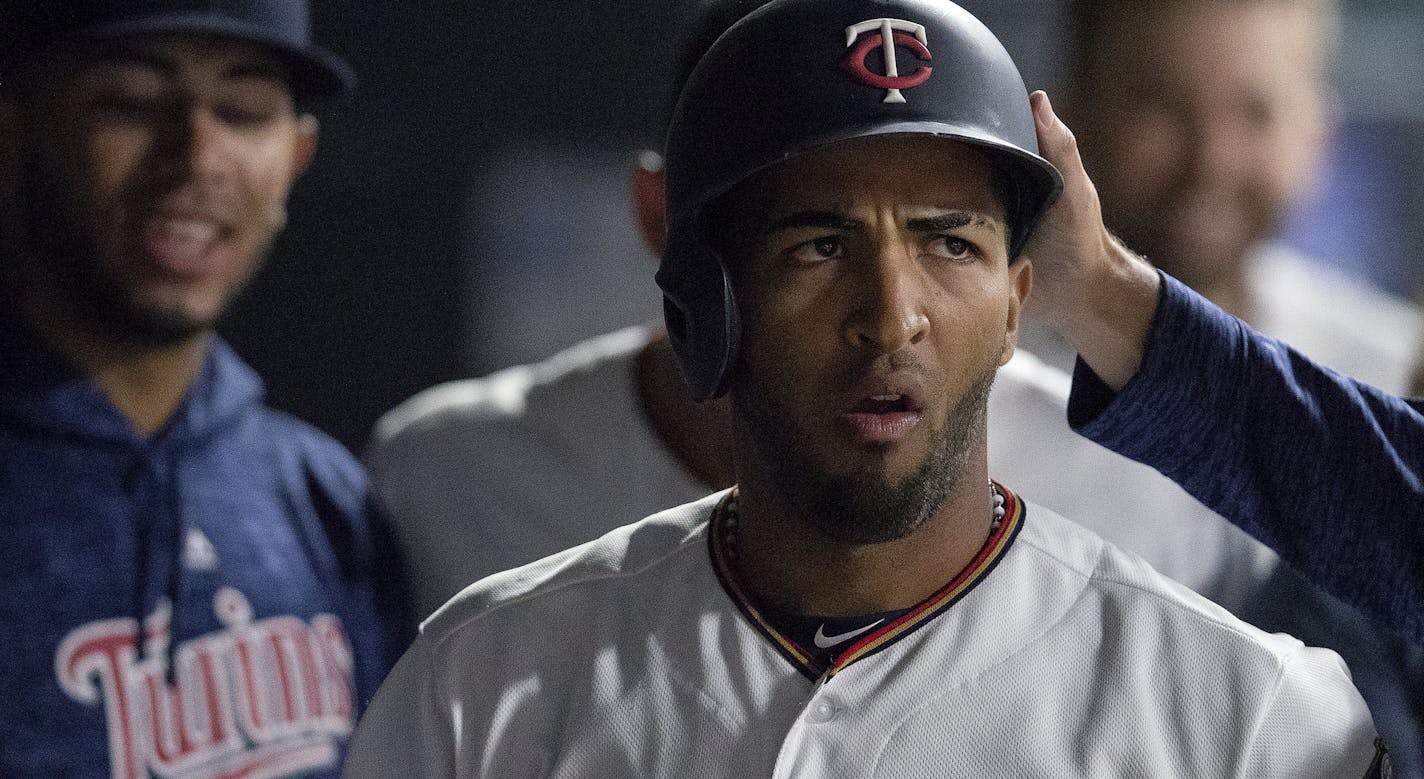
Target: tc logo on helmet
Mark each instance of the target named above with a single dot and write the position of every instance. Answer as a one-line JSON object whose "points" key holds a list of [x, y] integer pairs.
{"points": [[910, 35]]}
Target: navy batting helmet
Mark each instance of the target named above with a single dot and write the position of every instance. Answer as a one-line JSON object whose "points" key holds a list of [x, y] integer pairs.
{"points": [[800, 74]]}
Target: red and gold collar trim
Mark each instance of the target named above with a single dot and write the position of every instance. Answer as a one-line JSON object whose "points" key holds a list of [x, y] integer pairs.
{"points": [[804, 659]]}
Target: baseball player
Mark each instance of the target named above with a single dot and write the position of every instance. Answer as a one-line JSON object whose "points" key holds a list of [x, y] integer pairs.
{"points": [[1204, 122], [191, 584], [850, 186], [485, 474], [1323, 466]]}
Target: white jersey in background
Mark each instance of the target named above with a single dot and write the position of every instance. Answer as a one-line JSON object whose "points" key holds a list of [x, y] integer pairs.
{"points": [[488, 474], [1333, 318]]}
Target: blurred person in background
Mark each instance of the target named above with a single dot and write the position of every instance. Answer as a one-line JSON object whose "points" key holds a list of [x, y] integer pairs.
{"points": [[1324, 468], [191, 584], [1416, 382], [1202, 122], [486, 474]]}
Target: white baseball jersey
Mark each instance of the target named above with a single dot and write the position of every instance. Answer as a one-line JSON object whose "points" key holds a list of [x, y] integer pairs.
{"points": [[1053, 654]]}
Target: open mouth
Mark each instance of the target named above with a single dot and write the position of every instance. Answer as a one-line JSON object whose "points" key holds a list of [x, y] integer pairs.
{"points": [[183, 246], [883, 404], [884, 418]]}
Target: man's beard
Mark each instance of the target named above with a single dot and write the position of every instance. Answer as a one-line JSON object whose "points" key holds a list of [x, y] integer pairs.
{"points": [[1201, 261], [52, 233], [108, 304], [862, 507]]}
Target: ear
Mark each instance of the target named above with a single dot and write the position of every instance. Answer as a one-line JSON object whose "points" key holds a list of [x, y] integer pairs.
{"points": [[304, 147], [649, 190], [1020, 284]]}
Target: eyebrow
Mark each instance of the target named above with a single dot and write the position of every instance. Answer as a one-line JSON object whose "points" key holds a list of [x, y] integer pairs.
{"points": [[123, 55], [260, 70], [126, 55], [950, 221], [833, 220], [826, 219]]}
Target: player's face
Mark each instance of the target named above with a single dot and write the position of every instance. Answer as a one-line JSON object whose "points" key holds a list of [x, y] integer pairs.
{"points": [[878, 302], [153, 176], [1200, 126]]}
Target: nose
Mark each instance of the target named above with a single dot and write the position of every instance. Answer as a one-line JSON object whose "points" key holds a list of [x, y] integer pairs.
{"points": [[1223, 149], [889, 312], [197, 146], [209, 149]]}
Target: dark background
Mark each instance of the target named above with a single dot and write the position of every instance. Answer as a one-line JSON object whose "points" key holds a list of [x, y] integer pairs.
{"points": [[468, 209]]}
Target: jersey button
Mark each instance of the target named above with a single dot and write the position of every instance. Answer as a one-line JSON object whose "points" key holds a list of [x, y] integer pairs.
{"points": [[821, 712]]}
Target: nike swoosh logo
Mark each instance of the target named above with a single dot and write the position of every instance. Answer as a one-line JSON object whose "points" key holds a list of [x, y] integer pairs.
{"points": [[824, 641]]}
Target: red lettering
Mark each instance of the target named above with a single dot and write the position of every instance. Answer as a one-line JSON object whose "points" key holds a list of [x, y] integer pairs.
{"points": [[337, 681], [246, 700], [90, 664]]}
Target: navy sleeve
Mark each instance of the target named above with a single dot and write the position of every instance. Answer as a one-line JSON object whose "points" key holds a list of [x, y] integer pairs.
{"points": [[372, 577], [352, 547], [1327, 471]]}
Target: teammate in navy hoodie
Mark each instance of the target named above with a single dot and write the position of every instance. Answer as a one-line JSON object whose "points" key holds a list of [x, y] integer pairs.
{"points": [[191, 584]]}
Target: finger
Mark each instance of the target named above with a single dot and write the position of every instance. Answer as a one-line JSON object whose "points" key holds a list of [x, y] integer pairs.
{"points": [[1055, 141]]}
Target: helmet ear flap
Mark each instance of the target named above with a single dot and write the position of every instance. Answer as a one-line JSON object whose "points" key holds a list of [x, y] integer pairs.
{"points": [[701, 314]]}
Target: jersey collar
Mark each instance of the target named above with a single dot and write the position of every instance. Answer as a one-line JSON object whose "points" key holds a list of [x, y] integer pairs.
{"points": [[805, 659]]}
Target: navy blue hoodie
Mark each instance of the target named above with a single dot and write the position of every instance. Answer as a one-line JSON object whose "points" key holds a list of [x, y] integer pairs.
{"points": [[241, 539]]}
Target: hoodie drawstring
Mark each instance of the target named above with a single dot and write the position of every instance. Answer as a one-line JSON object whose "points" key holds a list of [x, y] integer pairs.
{"points": [[158, 509], [139, 476], [176, 542]]}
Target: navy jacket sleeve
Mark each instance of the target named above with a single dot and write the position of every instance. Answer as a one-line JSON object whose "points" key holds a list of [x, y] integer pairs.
{"points": [[362, 564], [1327, 471]]}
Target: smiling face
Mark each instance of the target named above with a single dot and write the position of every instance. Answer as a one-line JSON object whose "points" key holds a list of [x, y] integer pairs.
{"points": [[151, 178], [877, 302], [1202, 121]]}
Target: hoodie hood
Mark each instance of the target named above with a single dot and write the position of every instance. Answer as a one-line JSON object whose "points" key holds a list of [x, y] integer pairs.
{"points": [[40, 389]]}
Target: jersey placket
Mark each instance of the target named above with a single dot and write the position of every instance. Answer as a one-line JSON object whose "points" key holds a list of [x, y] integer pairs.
{"points": [[810, 747]]}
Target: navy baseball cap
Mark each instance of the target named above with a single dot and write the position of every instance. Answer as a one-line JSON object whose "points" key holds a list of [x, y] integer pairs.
{"points": [[29, 30]]}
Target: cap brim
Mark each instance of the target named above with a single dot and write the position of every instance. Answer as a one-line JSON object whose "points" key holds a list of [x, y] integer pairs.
{"points": [[315, 71]]}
